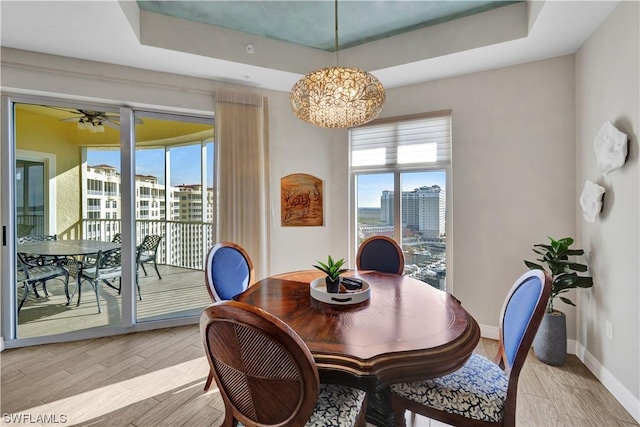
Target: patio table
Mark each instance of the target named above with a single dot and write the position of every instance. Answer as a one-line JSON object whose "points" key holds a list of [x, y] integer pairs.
{"points": [[63, 248]]}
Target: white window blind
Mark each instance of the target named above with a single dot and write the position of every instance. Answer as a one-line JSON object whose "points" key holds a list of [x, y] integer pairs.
{"points": [[419, 142]]}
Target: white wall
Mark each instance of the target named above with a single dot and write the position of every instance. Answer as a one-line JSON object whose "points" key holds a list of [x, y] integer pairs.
{"points": [[513, 159], [607, 88], [297, 147], [513, 172]]}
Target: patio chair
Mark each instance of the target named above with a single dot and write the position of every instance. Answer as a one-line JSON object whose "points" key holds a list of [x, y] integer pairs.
{"points": [[30, 276], [38, 260], [266, 373], [117, 238], [107, 266], [147, 252], [483, 392], [380, 253], [23, 230]]}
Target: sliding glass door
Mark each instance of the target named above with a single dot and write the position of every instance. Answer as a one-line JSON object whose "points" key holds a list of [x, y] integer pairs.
{"points": [[76, 178], [174, 213]]}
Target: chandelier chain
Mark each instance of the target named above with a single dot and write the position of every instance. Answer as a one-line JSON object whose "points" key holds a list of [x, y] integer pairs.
{"points": [[337, 97], [336, 18]]}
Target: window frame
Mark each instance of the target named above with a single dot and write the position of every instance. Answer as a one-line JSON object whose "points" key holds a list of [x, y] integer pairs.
{"points": [[397, 170]]}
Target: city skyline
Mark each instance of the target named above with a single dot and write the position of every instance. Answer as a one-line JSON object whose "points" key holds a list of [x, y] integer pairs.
{"points": [[371, 186], [151, 162], [185, 163]]}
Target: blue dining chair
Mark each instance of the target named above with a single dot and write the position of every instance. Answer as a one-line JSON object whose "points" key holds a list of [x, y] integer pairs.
{"points": [[483, 392], [380, 253], [228, 272]]}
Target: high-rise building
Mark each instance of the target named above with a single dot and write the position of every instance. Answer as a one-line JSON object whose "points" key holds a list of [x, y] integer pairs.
{"points": [[423, 210], [101, 211]]}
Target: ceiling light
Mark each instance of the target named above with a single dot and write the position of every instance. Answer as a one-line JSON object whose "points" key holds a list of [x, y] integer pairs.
{"points": [[82, 125], [99, 128], [337, 97]]}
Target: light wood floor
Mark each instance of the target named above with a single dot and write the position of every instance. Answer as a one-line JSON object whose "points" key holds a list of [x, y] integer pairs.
{"points": [[180, 293], [156, 378]]}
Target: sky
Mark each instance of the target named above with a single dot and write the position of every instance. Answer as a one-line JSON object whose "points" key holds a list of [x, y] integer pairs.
{"points": [[370, 186], [185, 169], [185, 163]]}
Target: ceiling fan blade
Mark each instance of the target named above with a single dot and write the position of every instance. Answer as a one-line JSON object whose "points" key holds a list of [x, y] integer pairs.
{"points": [[71, 119], [66, 110], [112, 124]]}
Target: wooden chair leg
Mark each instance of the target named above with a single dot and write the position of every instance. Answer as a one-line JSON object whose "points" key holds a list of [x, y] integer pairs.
{"points": [[209, 382], [398, 413]]}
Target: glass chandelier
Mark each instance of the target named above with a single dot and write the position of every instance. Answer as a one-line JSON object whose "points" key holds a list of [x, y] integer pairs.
{"points": [[337, 97]]}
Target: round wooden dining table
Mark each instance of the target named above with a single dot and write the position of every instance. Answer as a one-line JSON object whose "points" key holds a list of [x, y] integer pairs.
{"points": [[406, 331]]}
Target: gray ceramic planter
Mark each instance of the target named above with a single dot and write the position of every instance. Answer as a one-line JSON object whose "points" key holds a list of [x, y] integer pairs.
{"points": [[550, 343]]}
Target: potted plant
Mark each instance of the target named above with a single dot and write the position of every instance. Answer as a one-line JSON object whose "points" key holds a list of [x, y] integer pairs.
{"points": [[550, 343], [333, 271]]}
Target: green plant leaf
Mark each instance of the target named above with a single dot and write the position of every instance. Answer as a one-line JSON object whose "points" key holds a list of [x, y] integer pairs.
{"points": [[567, 301], [324, 266], [584, 282], [566, 241], [576, 267], [533, 265], [565, 279], [321, 268], [574, 252], [547, 247]]}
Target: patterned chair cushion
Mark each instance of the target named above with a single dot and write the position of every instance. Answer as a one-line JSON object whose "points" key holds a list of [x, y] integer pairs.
{"points": [[336, 406], [478, 390]]}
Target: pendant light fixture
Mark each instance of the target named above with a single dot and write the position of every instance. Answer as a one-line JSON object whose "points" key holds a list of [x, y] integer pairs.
{"points": [[337, 97]]}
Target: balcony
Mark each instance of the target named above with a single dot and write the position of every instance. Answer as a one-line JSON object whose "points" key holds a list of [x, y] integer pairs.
{"points": [[181, 292]]}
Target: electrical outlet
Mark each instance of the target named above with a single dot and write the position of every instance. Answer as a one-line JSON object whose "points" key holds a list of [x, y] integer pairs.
{"points": [[609, 330]]}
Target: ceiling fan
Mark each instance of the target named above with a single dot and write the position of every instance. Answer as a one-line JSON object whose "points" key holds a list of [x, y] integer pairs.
{"points": [[94, 121]]}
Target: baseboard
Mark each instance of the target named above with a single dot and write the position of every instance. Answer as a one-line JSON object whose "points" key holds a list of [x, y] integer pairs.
{"points": [[611, 383], [1, 343], [492, 332]]}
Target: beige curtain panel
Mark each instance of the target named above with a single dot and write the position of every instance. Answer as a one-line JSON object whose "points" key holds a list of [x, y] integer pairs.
{"points": [[242, 137]]}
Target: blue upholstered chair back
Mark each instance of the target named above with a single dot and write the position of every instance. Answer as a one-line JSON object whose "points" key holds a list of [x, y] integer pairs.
{"points": [[229, 271], [526, 295], [382, 254]]}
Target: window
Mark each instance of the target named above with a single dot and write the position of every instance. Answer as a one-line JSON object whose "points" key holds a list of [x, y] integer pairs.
{"points": [[411, 158], [143, 212], [93, 204], [94, 186], [111, 188]]}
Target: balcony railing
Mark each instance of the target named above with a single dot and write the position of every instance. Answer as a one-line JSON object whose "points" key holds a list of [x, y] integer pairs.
{"points": [[184, 244], [37, 221]]}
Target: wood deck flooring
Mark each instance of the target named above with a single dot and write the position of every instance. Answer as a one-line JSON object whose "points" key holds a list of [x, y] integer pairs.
{"points": [[180, 293], [155, 378]]}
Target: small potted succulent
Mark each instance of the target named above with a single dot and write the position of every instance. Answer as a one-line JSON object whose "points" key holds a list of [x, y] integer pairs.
{"points": [[333, 271]]}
